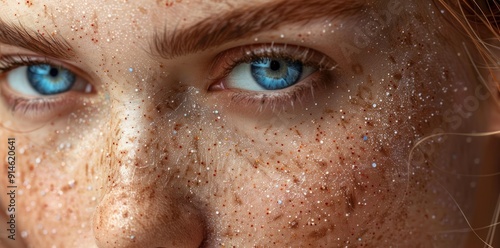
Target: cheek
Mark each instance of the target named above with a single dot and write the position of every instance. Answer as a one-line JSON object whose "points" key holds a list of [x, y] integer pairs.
{"points": [[322, 178], [52, 189], [357, 171]]}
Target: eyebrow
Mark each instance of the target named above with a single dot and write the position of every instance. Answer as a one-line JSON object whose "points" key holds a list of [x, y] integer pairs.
{"points": [[247, 21], [50, 45]]}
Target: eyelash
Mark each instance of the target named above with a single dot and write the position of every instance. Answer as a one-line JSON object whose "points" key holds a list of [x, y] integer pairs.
{"points": [[279, 99], [13, 62], [30, 107]]}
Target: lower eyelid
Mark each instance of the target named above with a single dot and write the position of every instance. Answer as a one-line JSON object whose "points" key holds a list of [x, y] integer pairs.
{"points": [[269, 102], [39, 109]]}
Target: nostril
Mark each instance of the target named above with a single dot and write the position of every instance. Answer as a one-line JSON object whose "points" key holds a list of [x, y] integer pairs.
{"points": [[120, 215]]}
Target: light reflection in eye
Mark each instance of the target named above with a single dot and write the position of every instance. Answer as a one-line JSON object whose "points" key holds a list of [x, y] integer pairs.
{"points": [[49, 80]]}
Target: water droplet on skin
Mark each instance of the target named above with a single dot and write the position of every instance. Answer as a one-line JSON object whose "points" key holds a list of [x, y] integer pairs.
{"points": [[374, 165]]}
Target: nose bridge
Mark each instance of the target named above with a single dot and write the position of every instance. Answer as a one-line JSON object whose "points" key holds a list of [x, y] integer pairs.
{"points": [[143, 124], [130, 128], [138, 208]]}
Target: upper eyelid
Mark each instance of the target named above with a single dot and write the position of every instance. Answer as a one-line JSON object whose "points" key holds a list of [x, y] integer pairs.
{"points": [[229, 60]]}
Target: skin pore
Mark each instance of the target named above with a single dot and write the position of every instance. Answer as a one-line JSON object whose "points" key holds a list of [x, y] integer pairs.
{"points": [[162, 143]]}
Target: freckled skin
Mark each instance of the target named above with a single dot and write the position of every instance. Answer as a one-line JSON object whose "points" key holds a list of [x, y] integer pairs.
{"points": [[151, 162]]}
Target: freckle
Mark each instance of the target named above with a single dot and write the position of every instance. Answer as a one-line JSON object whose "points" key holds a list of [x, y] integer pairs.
{"points": [[357, 69], [391, 58], [397, 76]]}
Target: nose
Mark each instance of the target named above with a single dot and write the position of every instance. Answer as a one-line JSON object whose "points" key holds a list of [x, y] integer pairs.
{"points": [[141, 206], [145, 218]]}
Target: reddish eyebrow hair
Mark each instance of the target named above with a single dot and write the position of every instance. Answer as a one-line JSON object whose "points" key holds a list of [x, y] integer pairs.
{"points": [[244, 22], [18, 35]]}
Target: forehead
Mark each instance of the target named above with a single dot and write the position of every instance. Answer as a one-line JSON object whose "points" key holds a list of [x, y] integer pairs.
{"points": [[92, 24], [142, 14]]}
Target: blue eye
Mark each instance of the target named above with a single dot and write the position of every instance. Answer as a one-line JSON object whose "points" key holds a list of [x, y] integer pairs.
{"points": [[267, 73], [275, 74], [49, 80], [45, 79]]}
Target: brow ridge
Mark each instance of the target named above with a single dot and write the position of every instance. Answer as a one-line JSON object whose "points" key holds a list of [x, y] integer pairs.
{"points": [[21, 36], [244, 22]]}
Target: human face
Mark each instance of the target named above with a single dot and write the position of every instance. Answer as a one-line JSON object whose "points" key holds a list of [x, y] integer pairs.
{"points": [[166, 139]]}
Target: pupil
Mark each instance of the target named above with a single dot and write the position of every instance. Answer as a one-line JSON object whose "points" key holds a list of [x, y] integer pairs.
{"points": [[275, 65], [53, 72]]}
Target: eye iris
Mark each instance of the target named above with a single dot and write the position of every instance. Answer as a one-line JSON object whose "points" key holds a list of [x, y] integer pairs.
{"points": [[50, 80], [275, 74]]}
